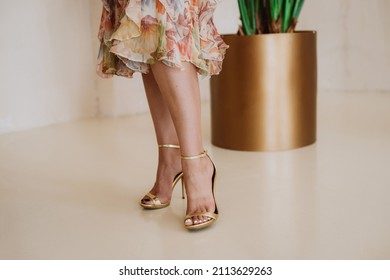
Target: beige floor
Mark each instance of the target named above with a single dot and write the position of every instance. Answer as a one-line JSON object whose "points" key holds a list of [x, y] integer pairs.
{"points": [[70, 191]]}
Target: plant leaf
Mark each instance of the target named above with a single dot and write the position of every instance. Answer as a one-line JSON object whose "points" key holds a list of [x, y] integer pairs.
{"points": [[297, 8], [287, 14]]}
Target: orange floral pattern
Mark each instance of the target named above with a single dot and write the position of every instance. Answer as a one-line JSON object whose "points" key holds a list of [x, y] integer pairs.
{"points": [[137, 33]]}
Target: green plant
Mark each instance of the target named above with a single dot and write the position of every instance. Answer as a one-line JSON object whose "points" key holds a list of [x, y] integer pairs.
{"points": [[269, 16]]}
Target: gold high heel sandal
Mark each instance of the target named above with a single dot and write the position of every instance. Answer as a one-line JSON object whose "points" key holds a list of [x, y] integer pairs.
{"points": [[212, 216], [156, 203]]}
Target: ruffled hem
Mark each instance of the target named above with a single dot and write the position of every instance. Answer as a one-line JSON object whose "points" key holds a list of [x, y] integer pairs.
{"points": [[135, 34]]}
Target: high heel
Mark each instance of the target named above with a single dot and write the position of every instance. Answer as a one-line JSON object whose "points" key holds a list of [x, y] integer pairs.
{"points": [[212, 216], [156, 203]]}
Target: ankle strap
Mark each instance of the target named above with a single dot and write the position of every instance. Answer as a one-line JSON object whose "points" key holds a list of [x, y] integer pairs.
{"points": [[169, 146], [203, 154]]}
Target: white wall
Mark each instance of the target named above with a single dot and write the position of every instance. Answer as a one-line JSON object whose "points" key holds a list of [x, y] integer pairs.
{"points": [[353, 43], [47, 69], [48, 55]]}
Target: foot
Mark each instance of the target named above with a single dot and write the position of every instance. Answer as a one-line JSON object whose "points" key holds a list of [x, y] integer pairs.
{"points": [[198, 181], [169, 165]]}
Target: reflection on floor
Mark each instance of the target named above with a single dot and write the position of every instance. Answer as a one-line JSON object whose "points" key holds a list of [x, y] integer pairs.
{"points": [[71, 191]]}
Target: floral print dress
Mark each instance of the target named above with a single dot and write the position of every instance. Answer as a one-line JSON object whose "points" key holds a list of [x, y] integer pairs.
{"points": [[137, 33]]}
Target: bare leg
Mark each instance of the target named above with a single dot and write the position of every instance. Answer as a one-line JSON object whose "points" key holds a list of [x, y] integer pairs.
{"points": [[169, 159], [180, 89]]}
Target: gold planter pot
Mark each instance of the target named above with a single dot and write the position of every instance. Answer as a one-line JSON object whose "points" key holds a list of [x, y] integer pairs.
{"points": [[266, 95]]}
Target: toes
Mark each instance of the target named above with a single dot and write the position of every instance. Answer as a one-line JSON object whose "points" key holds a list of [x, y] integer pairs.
{"points": [[197, 220], [188, 222], [146, 201], [202, 219]]}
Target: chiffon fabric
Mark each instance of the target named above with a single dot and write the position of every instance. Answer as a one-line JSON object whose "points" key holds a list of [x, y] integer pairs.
{"points": [[137, 33]]}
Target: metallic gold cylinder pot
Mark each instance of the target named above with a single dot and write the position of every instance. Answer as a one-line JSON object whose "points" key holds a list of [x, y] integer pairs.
{"points": [[266, 95]]}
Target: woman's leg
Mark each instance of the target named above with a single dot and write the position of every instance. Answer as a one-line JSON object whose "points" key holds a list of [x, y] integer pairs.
{"points": [[169, 164], [180, 89]]}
